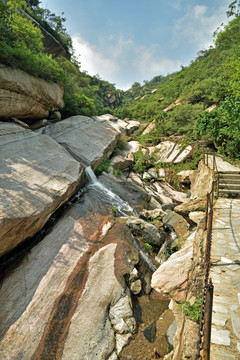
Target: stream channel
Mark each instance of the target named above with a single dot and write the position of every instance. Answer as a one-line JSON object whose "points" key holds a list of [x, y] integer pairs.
{"points": [[24, 268]]}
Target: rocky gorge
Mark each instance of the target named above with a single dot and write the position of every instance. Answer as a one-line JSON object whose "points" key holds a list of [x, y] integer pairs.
{"points": [[77, 292]]}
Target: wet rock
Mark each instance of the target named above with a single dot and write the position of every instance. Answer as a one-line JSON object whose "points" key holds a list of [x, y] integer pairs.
{"points": [[24, 96], [37, 177], [136, 287], [162, 255], [150, 233], [150, 332], [171, 333], [135, 195], [176, 222], [151, 214]]}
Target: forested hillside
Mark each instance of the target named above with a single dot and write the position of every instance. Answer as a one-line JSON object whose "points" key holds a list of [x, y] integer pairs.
{"points": [[22, 46], [211, 79]]}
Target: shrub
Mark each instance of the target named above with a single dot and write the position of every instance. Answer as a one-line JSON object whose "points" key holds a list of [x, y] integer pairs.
{"points": [[192, 311], [104, 167]]}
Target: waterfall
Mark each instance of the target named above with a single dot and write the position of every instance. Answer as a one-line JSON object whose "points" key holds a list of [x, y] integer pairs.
{"points": [[144, 255], [123, 207]]}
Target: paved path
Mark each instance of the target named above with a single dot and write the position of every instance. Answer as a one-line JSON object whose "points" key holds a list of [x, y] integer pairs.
{"points": [[222, 165], [225, 273]]}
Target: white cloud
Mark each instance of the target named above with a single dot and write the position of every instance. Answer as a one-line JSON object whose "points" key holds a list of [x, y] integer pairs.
{"points": [[92, 59], [197, 26], [121, 61]]}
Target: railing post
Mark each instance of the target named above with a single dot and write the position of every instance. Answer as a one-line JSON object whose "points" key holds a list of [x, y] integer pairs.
{"points": [[206, 214], [218, 186], [213, 186], [208, 322], [214, 161], [203, 151], [207, 158]]}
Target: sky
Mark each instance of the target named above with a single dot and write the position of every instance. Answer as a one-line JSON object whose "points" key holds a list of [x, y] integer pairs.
{"points": [[129, 41]]}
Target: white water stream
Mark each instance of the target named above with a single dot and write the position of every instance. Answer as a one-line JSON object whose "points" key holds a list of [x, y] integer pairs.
{"points": [[123, 207]]}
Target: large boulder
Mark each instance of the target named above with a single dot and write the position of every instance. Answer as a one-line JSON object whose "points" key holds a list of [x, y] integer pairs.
{"points": [[150, 233], [176, 223], [165, 194], [192, 206], [125, 157], [89, 140], [37, 177], [173, 276], [24, 96]]}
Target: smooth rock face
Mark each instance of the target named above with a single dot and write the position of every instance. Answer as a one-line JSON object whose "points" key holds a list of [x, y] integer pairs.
{"points": [[89, 140], [24, 96], [201, 180], [172, 276], [69, 294], [37, 176], [169, 151]]}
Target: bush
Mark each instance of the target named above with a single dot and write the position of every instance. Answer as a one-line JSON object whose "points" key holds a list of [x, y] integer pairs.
{"points": [[104, 167]]}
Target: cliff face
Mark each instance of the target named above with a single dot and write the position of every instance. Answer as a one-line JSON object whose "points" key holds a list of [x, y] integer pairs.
{"points": [[24, 96]]}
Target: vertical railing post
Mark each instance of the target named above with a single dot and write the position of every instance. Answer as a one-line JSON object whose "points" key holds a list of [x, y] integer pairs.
{"points": [[206, 214], [208, 322], [214, 161], [218, 186], [207, 158]]}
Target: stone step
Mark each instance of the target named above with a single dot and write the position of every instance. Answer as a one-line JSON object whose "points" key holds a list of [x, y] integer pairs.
{"points": [[227, 192], [229, 186], [234, 178]]}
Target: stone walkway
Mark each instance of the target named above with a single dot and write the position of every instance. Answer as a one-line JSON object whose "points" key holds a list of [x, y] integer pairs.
{"points": [[225, 273]]}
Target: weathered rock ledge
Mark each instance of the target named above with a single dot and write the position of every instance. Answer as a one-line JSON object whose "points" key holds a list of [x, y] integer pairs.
{"points": [[38, 174], [24, 96]]}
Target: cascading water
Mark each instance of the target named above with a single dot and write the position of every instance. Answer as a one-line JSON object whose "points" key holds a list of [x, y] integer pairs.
{"points": [[123, 207]]}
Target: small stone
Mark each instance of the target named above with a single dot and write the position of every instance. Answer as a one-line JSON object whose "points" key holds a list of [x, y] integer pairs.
{"points": [[218, 320], [220, 337], [236, 324], [225, 260], [133, 275], [136, 287]]}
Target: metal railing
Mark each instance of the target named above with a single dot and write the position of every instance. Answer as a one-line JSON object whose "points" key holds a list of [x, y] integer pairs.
{"points": [[204, 341], [206, 157]]}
